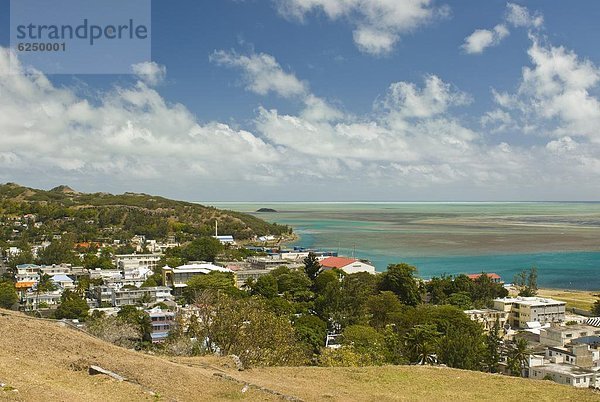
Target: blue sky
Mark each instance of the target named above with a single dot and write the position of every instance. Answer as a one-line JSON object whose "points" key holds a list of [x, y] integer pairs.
{"points": [[325, 100]]}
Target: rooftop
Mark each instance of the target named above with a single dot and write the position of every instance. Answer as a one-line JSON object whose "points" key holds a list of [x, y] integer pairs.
{"points": [[531, 301], [337, 262]]}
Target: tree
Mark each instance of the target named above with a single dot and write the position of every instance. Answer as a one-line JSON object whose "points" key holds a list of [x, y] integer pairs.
{"points": [[366, 341], [139, 319], [596, 308], [58, 252], [492, 348], [202, 249], [215, 280], [72, 306], [8, 295], [312, 267], [526, 282], [246, 328], [420, 344], [384, 309], [462, 300], [265, 286], [400, 279], [517, 357], [311, 330]]}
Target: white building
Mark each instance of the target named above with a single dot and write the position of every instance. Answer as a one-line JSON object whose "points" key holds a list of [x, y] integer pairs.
{"points": [[575, 365], [348, 265], [524, 310], [129, 262], [560, 336], [178, 277]]}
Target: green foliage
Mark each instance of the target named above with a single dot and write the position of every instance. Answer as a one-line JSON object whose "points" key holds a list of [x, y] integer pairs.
{"points": [[138, 319], [265, 286], [421, 343], [399, 278], [72, 306], [312, 266], [58, 252], [366, 341], [217, 281], [202, 249], [517, 357], [8, 295], [462, 300], [311, 330], [492, 348], [384, 308], [526, 282], [596, 308]]}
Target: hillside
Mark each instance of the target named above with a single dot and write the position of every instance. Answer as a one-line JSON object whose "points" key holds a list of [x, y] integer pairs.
{"points": [[43, 360], [107, 216]]}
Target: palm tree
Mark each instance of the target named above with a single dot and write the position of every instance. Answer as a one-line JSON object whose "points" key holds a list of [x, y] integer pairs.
{"points": [[420, 344], [518, 357]]}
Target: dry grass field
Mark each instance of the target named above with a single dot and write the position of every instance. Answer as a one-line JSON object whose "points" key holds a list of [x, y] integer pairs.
{"points": [[575, 298], [42, 360]]}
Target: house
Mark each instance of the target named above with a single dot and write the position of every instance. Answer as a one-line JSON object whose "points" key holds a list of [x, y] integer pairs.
{"points": [[32, 300], [178, 277], [63, 281], [243, 275], [272, 262], [129, 262], [225, 239], [162, 322], [489, 317], [494, 277], [575, 365], [348, 265], [560, 336], [531, 309], [105, 274], [28, 273], [130, 296]]}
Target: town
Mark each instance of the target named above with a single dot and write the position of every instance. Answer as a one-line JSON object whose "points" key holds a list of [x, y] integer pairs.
{"points": [[192, 297]]}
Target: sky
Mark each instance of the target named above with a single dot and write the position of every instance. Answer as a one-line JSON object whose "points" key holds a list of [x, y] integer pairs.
{"points": [[324, 100]]}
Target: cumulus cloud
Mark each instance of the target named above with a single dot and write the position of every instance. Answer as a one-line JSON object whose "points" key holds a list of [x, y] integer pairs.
{"points": [[378, 24], [150, 72], [262, 73], [516, 16], [519, 16], [555, 94], [481, 39], [412, 144]]}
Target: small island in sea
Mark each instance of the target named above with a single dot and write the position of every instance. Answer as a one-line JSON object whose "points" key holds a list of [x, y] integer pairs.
{"points": [[266, 210]]}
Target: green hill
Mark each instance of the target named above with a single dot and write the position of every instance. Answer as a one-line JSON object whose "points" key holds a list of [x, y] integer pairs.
{"points": [[54, 366], [107, 216]]}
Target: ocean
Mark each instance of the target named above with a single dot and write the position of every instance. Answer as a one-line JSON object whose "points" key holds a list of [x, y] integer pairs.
{"points": [[561, 239]]}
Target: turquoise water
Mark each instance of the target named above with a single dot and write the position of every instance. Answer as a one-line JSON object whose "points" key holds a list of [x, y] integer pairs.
{"points": [[452, 238]]}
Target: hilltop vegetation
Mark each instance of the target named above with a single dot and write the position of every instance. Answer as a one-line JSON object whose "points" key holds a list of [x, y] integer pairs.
{"points": [[103, 216]]}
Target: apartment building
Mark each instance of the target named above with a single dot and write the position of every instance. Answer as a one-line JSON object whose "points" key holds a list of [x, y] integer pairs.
{"points": [[531, 309]]}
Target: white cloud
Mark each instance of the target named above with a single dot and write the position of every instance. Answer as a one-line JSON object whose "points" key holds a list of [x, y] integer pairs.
{"points": [[262, 73], [378, 24], [150, 72], [481, 39], [516, 16], [519, 16], [555, 94], [410, 145]]}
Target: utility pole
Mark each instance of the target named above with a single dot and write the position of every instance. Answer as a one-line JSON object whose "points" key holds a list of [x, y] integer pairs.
{"points": [[216, 228]]}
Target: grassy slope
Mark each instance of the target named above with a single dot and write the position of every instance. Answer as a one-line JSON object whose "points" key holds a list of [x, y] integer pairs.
{"points": [[44, 361]]}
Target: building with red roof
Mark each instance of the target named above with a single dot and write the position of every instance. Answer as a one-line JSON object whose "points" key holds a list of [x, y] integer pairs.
{"points": [[348, 265], [492, 275]]}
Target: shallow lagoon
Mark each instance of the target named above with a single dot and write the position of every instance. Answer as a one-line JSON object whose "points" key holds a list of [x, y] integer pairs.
{"points": [[561, 239]]}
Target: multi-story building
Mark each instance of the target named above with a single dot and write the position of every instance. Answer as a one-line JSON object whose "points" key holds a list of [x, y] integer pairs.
{"points": [[576, 365], [129, 262], [162, 322], [489, 317], [178, 277], [560, 336], [130, 296], [531, 309]]}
